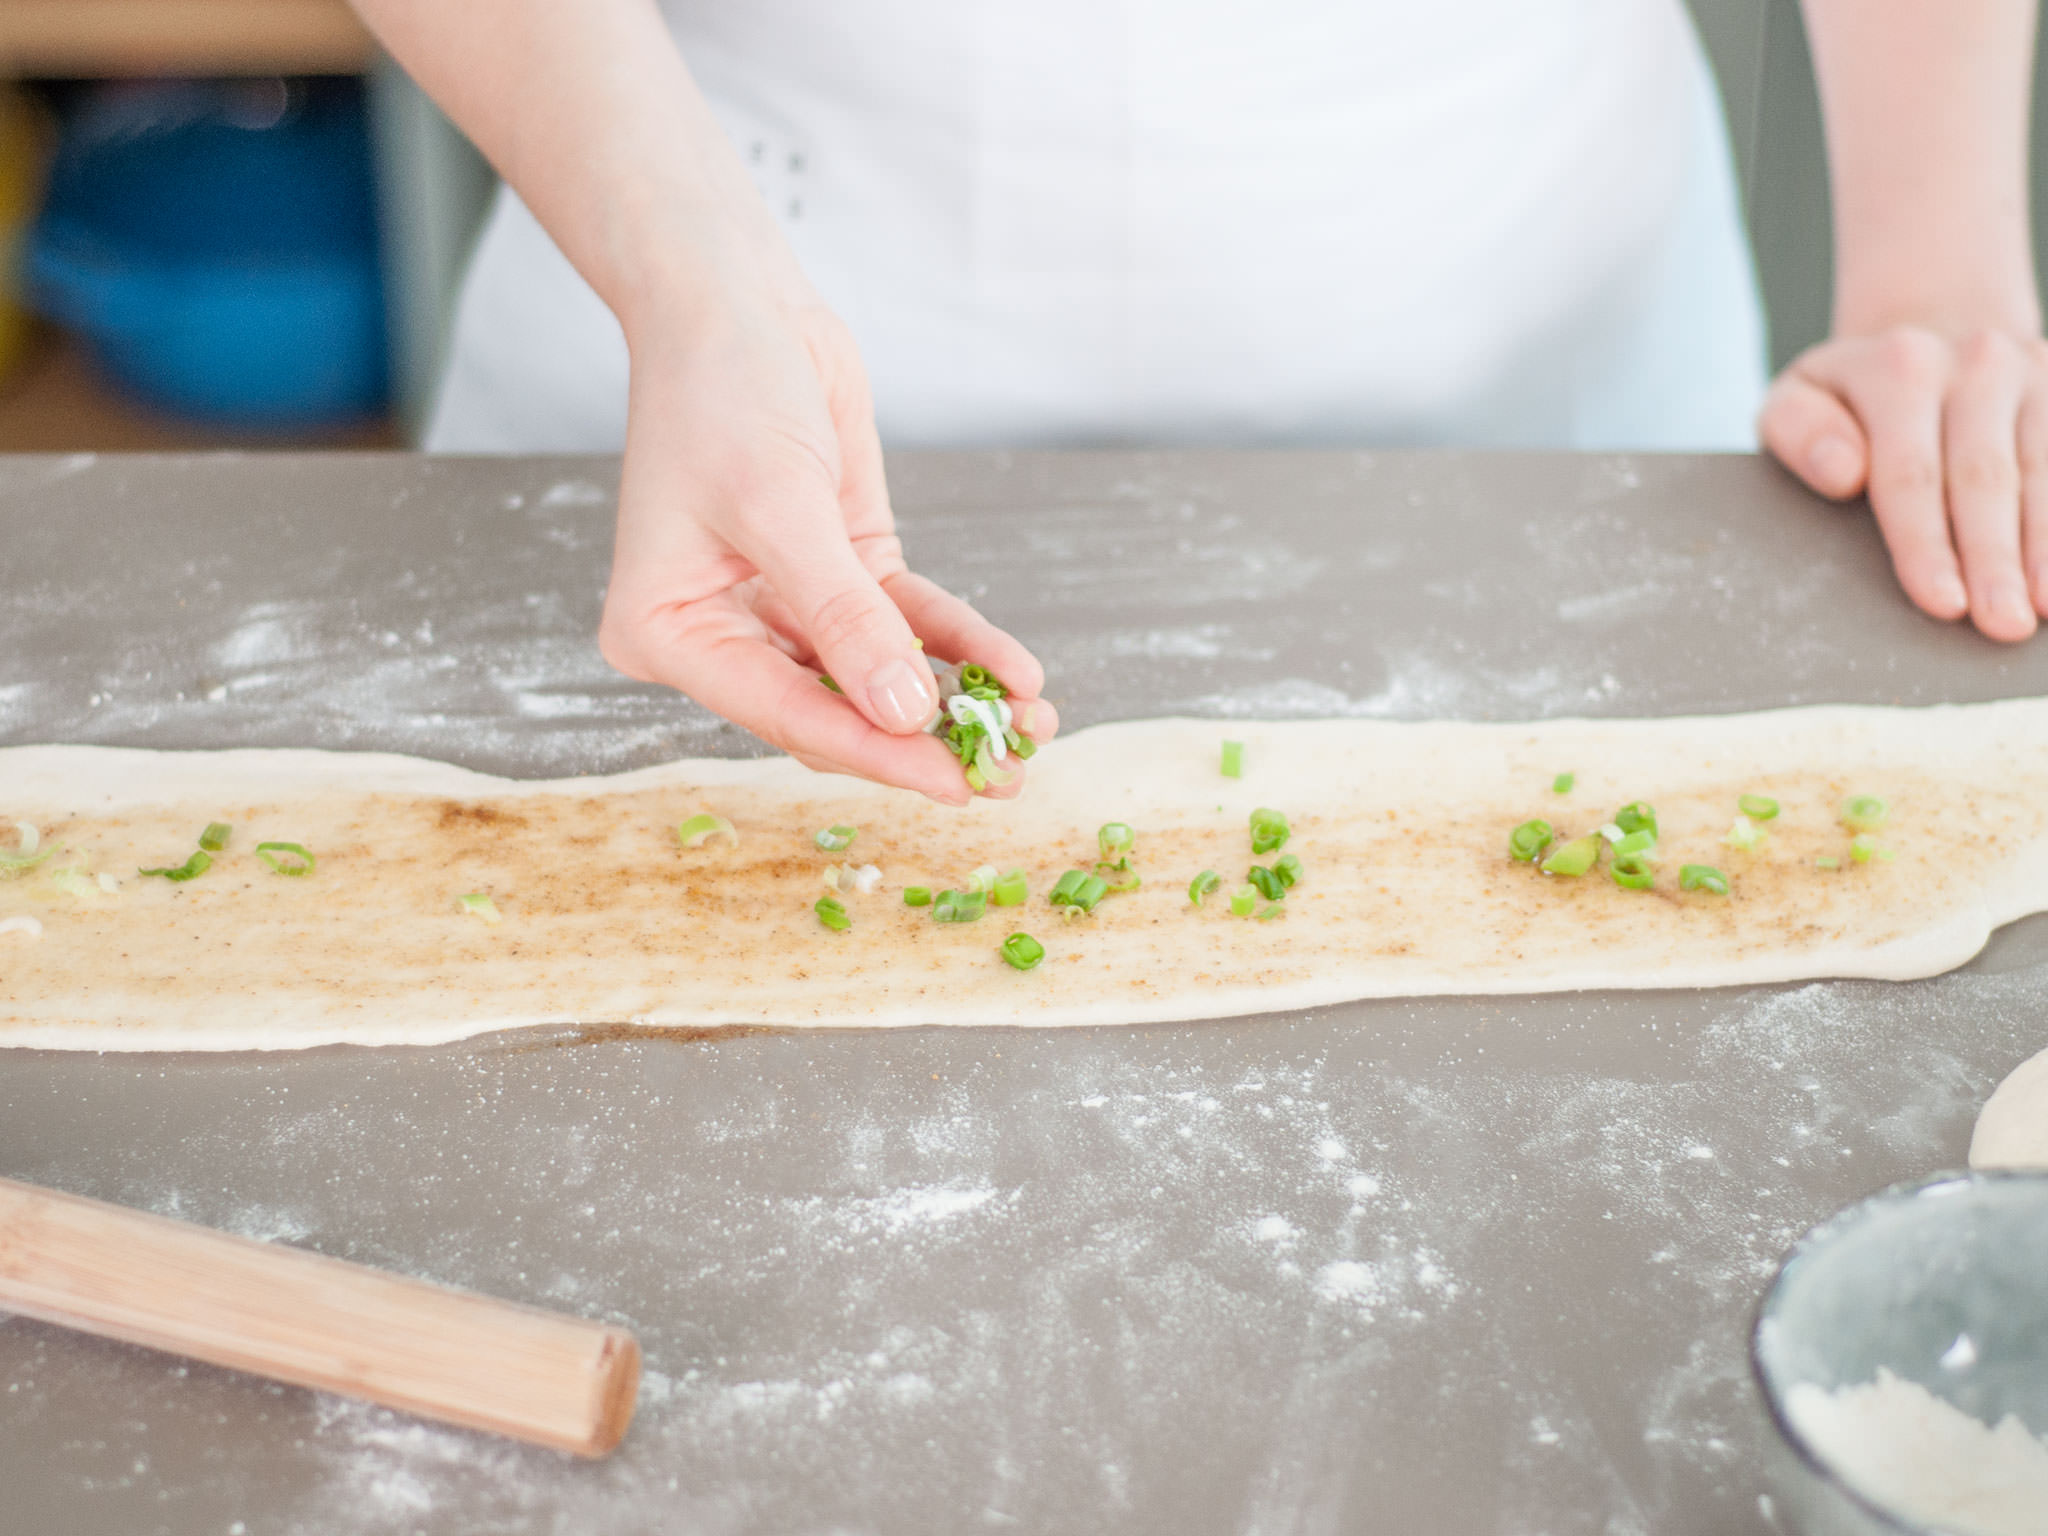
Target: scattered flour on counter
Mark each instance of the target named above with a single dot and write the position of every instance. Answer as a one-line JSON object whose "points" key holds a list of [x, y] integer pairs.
{"points": [[1919, 1455]]}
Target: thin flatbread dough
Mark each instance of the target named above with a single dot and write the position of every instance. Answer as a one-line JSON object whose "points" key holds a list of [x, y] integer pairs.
{"points": [[2012, 1131], [1401, 830]]}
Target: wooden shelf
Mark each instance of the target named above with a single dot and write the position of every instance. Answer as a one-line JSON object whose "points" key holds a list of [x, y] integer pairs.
{"points": [[97, 38]]}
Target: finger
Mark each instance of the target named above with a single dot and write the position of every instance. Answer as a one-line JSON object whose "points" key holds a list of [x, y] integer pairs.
{"points": [[953, 629], [717, 654], [1980, 456], [1895, 386], [2033, 458], [1813, 433], [800, 545]]}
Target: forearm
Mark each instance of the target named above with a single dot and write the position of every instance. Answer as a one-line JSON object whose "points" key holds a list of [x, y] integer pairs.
{"points": [[588, 111], [1925, 104]]}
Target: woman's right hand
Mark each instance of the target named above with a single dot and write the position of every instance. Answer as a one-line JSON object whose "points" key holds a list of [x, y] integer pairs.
{"points": [[756, 543]]}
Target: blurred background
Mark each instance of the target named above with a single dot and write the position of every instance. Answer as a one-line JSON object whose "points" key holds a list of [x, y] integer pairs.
{"points": [[234, 223]]}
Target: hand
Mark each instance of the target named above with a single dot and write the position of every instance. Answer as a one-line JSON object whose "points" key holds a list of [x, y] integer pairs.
{"points": [[756, 543], [1950, 439]]}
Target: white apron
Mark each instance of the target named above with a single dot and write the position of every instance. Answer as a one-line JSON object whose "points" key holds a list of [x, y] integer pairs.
{"points": [[1471, 222]]}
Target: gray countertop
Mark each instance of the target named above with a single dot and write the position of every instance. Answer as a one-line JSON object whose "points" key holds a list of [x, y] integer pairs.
{"points": [[1454, 1266]]}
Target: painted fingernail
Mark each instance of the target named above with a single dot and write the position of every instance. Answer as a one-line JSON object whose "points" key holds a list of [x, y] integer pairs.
{"points": [[1833, 459], [901, 695]]}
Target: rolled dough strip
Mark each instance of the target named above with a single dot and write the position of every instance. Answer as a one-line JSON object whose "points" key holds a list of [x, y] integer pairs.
{"points": [[2012, 1131], [1401, 829]]}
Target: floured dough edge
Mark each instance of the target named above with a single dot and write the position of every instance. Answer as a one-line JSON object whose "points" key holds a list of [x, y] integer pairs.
{"points": [[2012, 1129]]}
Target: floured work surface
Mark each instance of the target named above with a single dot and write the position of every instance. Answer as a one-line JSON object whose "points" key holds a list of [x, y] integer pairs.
{"points": [[1401, 830]]}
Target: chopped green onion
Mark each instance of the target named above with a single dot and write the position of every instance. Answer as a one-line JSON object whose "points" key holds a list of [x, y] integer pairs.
{"points": [[959, 906], [826, 679], [26, 856], [1130, 881], [834, 876], [1287, 870], [1276, 910], [215, 837], [1078, 888], [832, 914], [1745, 834], [973, 677], [1702, 877], [1269, 885], [704, 826], [1862, 847], [268, 853], [1010, 890], [976, 780], [917, 895], [1202, 885], [200, 862], [1574, 857], [1243, 899], [1233, 759], [1864, 813], [1757, 807], [1641, 841], [1610, 831], [1022, 951], [983, 879], [836, 838], [1024, 746], [476, 904], [1562, 784], [1636, 816], [73, 881], [1114, 838], [1827, 861], [1633, 871], [1269, 831], [1530, 839]]}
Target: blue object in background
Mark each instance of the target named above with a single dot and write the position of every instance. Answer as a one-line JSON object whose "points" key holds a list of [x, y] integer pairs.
{"points": [[216, 245]]}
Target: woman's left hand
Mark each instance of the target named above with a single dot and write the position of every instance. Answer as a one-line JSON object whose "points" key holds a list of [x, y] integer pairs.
{"points": [[1950, 439]]}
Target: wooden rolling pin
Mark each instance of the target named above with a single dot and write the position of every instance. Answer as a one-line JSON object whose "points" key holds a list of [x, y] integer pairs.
{"points": [[319, 1322]]}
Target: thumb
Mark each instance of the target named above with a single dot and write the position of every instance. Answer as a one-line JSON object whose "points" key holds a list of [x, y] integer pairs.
{"points": [[1815, 435], [860, 636]]}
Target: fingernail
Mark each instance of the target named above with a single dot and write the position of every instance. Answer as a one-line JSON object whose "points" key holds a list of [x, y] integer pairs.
{"points": [[2009, 600], [1948, 591], [1833, 459], [900, 697]]}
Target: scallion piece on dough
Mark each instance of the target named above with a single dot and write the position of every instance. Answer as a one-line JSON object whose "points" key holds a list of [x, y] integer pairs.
{"points": [[1233, 759], [704, 826], [303, 861], [1574, 857], [1863, 848], [25, 856], [1641, 841], [1633, 871], [1745, 834], [200, 862], [1131, 880], [1562, 784], [1268, 884], [1021, 951], [1702, 877], [1275, 910], [1202, 885], [983, 880], [477, 904], [1010, 890], [1757, 807], [1287, 870], [1864, 813], [1827, 861], [1637, 816], [1530, 839], [1114, 838], [959, 906], [832, 914], [1243, 900], [216, 836], [1077, 888], [917, 895], [836, 838], [1269, 830]]}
